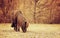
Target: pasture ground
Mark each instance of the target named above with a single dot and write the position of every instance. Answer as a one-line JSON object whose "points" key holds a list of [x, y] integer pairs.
{"points": [[34, 31]]}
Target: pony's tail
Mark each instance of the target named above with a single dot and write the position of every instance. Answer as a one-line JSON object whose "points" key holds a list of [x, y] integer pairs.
{"points": [[14, 23]]}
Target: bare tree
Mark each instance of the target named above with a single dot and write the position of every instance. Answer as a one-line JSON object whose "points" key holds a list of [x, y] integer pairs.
{"points": [[35, 10]]}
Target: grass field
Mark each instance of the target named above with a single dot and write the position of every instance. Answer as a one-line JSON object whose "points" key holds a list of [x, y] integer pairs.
{"points": [[34, 31]]}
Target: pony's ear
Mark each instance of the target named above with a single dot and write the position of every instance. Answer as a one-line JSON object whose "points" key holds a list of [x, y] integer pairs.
{"points": [[27, 24]]}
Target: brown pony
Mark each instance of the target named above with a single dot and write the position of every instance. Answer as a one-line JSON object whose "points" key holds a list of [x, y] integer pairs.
{"points": [[19, 21]]}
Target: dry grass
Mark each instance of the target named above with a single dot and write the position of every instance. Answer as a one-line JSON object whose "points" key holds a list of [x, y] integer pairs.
{"points": [[34, 31]]}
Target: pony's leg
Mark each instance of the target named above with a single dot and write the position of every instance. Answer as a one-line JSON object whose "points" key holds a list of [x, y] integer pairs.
{"points": [[15, 28], [19, 28]]}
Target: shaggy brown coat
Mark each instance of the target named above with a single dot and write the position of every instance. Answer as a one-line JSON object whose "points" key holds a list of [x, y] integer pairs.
{"points": [[19, 21]]}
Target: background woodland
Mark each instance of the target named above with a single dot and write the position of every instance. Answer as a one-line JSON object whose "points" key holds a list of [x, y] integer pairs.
{"points": [[35, 11]]}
